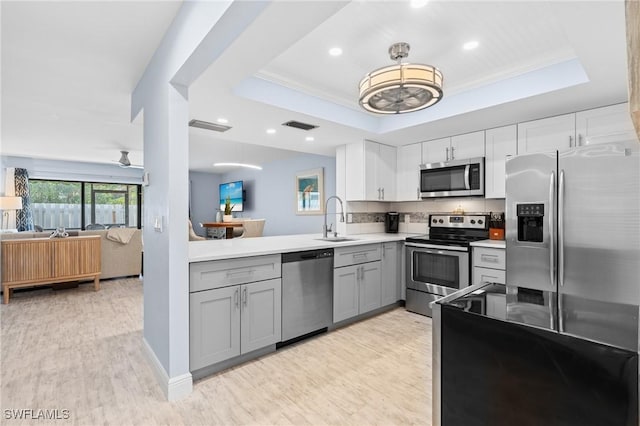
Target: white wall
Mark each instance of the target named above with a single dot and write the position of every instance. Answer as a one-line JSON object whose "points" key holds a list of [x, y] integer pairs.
{"points": [[204, 198], [271, 194], [73, 170]]}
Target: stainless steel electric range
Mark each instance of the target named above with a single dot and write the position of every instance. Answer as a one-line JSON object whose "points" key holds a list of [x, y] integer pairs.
{"points": [[438, 264]]}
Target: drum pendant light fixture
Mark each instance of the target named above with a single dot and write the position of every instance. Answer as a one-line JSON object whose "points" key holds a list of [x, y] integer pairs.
{"points": [[400, 88]]}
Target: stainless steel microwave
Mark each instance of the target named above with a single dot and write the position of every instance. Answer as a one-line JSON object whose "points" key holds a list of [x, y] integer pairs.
{"points": [[457, 178]]}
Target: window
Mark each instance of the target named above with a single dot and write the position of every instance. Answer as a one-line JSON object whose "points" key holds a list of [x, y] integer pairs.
{"points": [[78, 205], [56, 203], [111, 204]]}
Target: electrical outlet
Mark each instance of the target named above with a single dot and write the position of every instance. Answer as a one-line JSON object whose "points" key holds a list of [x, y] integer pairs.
{"points": [[407, 218], [349, 217]]}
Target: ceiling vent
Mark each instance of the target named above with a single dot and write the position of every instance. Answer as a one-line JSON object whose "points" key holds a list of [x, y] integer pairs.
{"points": [[299, 125], [209, 126]]}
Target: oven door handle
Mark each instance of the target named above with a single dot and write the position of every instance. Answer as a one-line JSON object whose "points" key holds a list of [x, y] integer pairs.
{"points": [[437, 247]]}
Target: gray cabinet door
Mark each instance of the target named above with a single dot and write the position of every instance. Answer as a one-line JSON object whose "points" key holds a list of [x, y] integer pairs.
{"points": [[261, 314], [390, 273], [370, 287], [214, 326], [345, 292]]}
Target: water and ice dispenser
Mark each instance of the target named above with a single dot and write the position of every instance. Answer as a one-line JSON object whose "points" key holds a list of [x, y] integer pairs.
{"points": [[530, 222]]}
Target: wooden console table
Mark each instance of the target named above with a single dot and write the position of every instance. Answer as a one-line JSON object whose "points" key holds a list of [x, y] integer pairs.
{"points": [[32, 262], [228, 225]]}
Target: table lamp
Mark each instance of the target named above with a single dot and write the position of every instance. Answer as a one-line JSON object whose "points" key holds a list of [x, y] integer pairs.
{"points": [[9, 203]]}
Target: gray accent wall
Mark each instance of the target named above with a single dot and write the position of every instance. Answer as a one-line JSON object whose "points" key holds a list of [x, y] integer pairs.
{"points": [[271, 194], [204, 199]]}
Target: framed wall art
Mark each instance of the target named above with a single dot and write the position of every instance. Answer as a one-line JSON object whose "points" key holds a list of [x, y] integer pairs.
{"points": [[310, 192]]}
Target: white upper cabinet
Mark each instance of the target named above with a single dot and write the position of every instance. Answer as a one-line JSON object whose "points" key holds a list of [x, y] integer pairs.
{"points": [[386, 172], [603, 124], [469, 145], [458, 147], [370, 172], [408, 172], [436, 151], [500, 143], [546, 135]]}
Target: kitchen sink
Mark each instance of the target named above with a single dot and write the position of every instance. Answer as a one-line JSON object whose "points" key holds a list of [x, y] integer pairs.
{"points": [[336, 239]]}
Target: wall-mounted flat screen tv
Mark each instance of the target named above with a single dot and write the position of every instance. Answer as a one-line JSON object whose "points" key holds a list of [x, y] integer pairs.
{"points": [[234, 191]]}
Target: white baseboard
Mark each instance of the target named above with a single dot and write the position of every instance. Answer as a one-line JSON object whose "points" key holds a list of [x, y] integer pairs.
{"points": [[174, 388]]}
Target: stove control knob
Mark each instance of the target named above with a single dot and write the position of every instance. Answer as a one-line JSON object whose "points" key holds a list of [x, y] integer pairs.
{"points": [[435, 220], [440, 221], [473, 221], [479, 221]]}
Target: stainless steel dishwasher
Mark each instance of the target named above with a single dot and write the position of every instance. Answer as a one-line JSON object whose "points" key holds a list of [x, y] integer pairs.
{"points": [[307, 293]]}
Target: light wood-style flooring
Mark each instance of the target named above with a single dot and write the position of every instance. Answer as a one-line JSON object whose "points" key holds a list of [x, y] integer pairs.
{"points": [[81, 350]]}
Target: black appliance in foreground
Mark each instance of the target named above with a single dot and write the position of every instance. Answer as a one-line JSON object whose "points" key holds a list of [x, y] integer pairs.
{"points": [[438, 264], [498, 372]]}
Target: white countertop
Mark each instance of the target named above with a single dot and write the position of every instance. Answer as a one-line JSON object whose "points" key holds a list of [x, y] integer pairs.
{"points": [[200, 251], [499, 244]]}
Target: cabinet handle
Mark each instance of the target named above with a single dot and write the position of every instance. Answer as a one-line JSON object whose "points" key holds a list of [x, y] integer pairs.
{"points": [[452, 154], [484, 277], [236, 299], [243, 272], [489, 258], [383, 193], [570, 140], [579, 139], [447, 153], [417, 194], [378, 193], [244, 297]]}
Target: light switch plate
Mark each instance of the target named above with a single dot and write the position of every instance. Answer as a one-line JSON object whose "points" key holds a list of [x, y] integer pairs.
{"points": [[157, 224], [407, 218]]}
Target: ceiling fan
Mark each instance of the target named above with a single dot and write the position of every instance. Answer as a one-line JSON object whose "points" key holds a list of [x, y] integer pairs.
{"points": [[124, 161]]}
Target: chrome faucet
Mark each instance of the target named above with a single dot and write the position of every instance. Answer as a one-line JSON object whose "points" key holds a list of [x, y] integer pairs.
{"points": [[325, 228]]}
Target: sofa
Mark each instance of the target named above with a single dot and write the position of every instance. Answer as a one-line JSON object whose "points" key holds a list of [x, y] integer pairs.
{"points": [[118, 259]]}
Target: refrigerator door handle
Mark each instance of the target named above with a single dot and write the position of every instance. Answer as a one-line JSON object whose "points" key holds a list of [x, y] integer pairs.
{"points": [[552, 258], [561, 229], [467, 184]]}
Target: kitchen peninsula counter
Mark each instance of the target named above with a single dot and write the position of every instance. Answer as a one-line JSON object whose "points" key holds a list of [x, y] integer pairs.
{"points": [[200, 251]]}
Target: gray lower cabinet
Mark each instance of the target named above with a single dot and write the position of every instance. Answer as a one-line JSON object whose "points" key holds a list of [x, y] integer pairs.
{"points": [[261, 319], [391, 281], [370, 287], [230, 321], [356, 290], [346, 292]]}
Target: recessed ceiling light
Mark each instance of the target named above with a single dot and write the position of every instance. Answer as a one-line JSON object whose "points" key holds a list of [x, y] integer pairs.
{"points": [[335, 51], [417, 4], [470, 45], [250, 166], [309, 139], [271, 131], [222, 120]]}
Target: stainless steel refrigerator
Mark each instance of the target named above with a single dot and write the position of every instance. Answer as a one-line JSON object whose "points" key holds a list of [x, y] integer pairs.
{"points": [[573, 242]]}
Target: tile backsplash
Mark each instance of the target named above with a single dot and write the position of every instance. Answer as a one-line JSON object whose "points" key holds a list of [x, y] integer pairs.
{"points": [[368, 217]]}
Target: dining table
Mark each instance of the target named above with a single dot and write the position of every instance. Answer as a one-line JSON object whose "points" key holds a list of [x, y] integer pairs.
{"points": [[227, 225]]}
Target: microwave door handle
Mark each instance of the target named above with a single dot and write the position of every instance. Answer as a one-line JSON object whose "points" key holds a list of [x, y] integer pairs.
{"points": [[467, 184]]}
